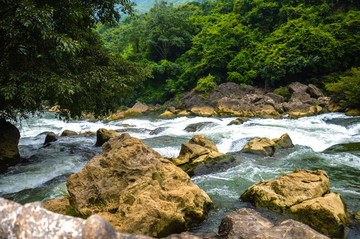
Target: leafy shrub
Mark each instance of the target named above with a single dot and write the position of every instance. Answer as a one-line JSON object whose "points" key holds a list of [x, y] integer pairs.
{"points": [[206, 84], [284, 92], [346, 89]]}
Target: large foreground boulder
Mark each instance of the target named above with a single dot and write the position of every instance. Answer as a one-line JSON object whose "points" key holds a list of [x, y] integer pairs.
{"points": [[306, 195], [267, 147], [199, 151], [137, 191], [33, 221], [246, 223], [9, 140]]}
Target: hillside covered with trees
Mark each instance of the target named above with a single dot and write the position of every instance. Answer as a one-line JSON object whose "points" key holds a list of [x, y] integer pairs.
{"points": [[265, 43]]}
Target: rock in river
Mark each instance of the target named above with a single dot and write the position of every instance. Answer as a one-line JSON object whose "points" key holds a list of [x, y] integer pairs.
{"points": [[306, 195], [199, 151], [9, 140], [267, 147], [104, 135], [137, 191], [246, 223]]}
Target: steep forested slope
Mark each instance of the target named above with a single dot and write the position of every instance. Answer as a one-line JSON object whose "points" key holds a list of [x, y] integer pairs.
{"points": [[145, 5], [260, 42]]}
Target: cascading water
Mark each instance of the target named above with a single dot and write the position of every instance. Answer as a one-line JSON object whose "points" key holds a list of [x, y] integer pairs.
{"points": [[44, 170]]}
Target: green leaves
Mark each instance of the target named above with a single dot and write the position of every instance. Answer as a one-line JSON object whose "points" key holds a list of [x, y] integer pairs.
{"points": [[48, 51], [346, 89]]}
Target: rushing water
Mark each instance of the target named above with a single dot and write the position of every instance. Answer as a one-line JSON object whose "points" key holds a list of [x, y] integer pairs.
{"points": [[44, 170]]}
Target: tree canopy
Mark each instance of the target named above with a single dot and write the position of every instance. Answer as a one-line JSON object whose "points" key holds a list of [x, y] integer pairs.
{"points": [[49, 52], [267, 43]]}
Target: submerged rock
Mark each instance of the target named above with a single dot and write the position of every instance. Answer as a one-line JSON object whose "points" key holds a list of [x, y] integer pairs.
{"points": [[353, 148], [167, 114], [33, 221], [68, 133], [306, 195], [158, 130], [9, 140], [239, 121], [246, 223], [137, 191], [199, 151], [104, 135], [267, 147], [199, 126], [50, 137]]}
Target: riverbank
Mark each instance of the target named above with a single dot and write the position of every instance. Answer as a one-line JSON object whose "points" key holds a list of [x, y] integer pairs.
{"points": [[230, 99]]}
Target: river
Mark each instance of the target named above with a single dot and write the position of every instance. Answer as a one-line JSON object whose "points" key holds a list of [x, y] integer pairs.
{"points": [[42, 174]]}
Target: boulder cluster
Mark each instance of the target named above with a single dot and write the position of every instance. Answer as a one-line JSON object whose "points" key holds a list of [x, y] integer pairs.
{"points": [[306, 195], [231, 99]]}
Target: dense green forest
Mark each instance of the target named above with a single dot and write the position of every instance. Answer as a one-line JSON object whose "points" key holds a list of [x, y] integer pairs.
{"points": [[265, 43], [145, 5]]}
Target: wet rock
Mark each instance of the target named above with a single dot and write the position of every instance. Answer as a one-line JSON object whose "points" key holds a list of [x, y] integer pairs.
{"points": [[50, 137], [137, 110], [104, 135], [203, 111], [167, 114], [137, 191], [306, 195], [284, 142], [68, 133], [326, 214], [283, 192], [158, 130], [33, 221], [334, 107], [357, 216], [260, 146], [55, 108], [9, 140], [314, 91], [199, 151], [267, 147], [117, 116], [239, 121], [88, 133], [183, 113], [199, 126], [352, 112], [353, 148], [246, 223]]}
